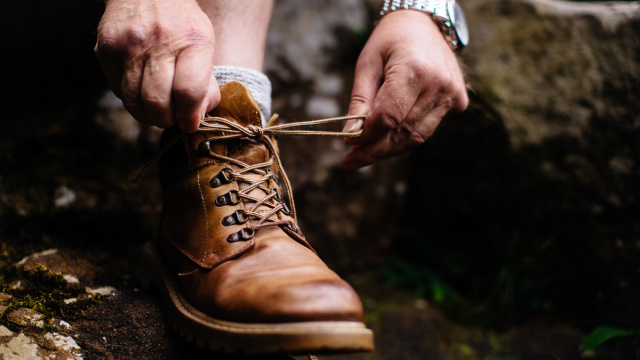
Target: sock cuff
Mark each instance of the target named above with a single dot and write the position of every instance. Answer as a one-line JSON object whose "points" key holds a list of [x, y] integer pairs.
{"points": [[257, 82]]}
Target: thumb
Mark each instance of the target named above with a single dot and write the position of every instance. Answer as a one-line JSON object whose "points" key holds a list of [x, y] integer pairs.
{"points": [[356, 107], [367, 79]]}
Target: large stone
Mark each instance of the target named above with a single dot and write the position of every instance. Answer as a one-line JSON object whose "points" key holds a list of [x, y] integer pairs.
{"points": [[531, 197], [552, 68]]}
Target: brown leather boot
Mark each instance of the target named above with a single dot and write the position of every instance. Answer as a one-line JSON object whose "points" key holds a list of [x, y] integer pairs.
{"points": [[237, 275]]}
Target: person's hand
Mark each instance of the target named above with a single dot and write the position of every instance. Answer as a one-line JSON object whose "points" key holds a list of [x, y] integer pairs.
{"points": [[407, 79], [157, 56]]}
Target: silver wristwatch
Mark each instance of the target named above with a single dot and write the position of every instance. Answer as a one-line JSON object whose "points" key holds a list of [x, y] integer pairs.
{"points": [[446, 13]]}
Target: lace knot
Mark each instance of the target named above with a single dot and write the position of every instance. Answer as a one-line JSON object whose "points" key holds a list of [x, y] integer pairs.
{"points": [[256, 132]]}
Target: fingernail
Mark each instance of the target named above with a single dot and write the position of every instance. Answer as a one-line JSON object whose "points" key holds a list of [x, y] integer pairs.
{"points": [[354, 126]]}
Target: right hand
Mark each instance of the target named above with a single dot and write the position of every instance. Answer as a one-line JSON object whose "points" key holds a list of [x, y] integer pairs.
{"points": [[157, 56]]}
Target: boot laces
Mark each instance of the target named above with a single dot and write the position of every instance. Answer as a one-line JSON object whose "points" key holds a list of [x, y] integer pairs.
{"points": [[224, 129]]}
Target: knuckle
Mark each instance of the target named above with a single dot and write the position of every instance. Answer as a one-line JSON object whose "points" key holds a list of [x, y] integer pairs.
{"points": [[413, 73], [416, 139], [188, 92], [136, 36], [156, 100], [400, 135], [419, 70], [108, 40], [113, 39], [388, 121], [359, 99], [197, 37]]}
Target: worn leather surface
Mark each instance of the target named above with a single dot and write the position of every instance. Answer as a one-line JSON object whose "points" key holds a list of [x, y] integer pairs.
{"points": [[273, 277]]}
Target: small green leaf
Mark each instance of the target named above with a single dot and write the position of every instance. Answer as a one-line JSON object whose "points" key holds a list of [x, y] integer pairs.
{"points": [[600, 335]]}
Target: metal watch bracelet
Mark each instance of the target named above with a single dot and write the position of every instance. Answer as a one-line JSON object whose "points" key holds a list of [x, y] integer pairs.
{"points": [[446, 13], [436, 7]]}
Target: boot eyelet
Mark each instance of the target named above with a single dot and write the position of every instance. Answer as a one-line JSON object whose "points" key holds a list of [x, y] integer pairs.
{"points": [[293, 227], [278, 196], [204, 148], [285, 209], [242, 235], [225, 176], [237, 218], [230, 198], [246, 233], [233, 238]]}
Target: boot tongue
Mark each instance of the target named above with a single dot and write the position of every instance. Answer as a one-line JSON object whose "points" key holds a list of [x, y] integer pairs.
{"points": [[237, 104]]}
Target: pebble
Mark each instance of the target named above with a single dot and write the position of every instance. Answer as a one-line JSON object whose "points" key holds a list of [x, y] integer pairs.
{"points": [[59, 325], [104, 291], [26, 317], [37, 255], [70, 279], [61, 342], [64, 197]]}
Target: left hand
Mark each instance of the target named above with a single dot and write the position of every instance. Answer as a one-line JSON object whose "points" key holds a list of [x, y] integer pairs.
{"points": [[407, 79]]}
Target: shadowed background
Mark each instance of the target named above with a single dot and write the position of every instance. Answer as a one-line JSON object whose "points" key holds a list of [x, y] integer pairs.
{"points": [[512, 233]]}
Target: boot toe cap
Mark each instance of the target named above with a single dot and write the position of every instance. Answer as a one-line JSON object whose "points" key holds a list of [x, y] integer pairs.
{"points": [[284, 299]]}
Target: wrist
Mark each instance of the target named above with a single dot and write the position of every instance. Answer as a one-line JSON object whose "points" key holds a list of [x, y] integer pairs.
{"points": [[444, 13], [418, 28]]}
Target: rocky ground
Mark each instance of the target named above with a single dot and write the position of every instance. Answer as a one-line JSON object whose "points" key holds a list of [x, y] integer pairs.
{"points": [[126, 322], [511, 234]]}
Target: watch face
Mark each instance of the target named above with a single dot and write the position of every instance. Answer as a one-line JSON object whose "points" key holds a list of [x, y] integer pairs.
{"points": [[459, 23]]}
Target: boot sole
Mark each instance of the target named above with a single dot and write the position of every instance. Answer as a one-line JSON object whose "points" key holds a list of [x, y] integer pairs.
{"points": [[244, 338]]}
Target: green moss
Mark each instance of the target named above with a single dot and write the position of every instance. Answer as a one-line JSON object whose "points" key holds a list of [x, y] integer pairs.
{"points": [[43, 291]]}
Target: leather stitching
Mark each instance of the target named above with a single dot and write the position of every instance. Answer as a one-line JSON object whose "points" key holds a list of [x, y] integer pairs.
{"points": [[206, 219]]}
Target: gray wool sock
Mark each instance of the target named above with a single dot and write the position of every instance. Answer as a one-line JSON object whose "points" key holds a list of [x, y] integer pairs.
{"points": [[257, 82]]}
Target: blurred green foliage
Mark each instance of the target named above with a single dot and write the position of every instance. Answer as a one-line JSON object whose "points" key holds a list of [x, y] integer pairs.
{"points": [[601, 334]]}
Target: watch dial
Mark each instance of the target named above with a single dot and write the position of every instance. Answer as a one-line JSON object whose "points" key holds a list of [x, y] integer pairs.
{"points": [[459, 24]]}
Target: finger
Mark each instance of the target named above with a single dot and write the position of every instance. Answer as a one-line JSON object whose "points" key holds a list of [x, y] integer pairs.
{"points": [[391, 105], [130, 88], [111, 64], [424, 127], [109, 50], [157, 82], [367, 80], [212, 99], [462, 101], [192, 87], [360, 156], [397, 141]]}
